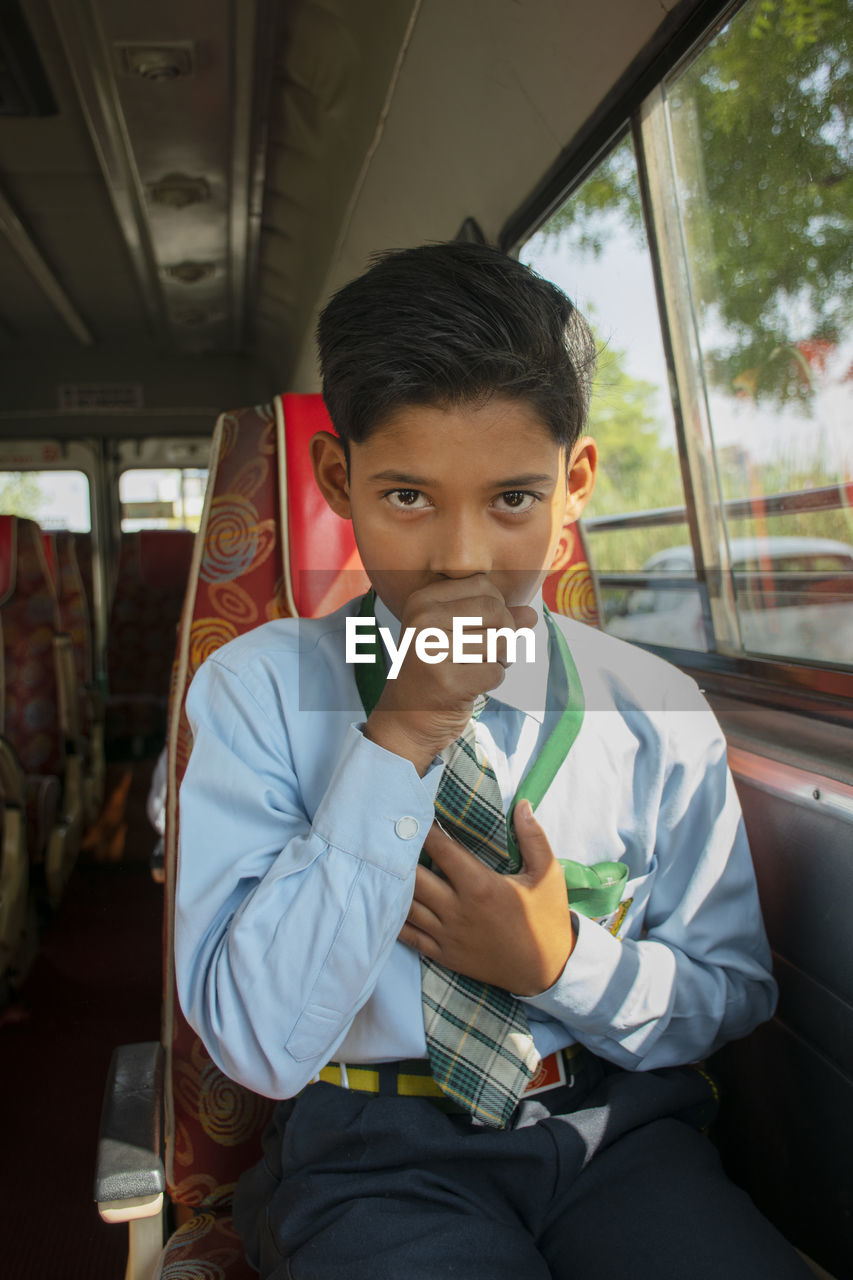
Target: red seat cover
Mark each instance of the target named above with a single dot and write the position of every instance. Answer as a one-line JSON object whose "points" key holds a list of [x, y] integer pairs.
{"points": [[569, 587], [325, 567], [30, 619], [149, 594], [47, 542], [8, 553], [73, 606]]}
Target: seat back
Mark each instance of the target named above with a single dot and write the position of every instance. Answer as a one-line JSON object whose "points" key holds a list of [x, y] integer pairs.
{"points": [[30, 620], [263, 523], [570, 587], [82, 543], [149, 594], [73, 605], [268, 547]]}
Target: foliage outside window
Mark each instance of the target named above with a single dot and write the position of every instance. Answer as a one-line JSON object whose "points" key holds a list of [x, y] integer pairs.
{"points": [[54, 499]]}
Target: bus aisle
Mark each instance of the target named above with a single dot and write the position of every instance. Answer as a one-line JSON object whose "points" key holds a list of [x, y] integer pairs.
{"points": [[95, 983]]}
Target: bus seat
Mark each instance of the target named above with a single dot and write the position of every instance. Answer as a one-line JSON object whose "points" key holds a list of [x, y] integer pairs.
{"points": [[37, 713], [61, 556], [571, 587], [264, 524], [49, 549], [153, 567], [14, 873], [82, 543], [75, 618]]}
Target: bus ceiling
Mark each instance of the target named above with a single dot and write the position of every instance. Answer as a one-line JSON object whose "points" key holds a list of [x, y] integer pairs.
{"points": [[182, 182]]}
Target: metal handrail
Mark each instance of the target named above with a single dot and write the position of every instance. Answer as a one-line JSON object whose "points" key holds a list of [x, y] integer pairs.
{"points": [[831, 497], [675, 581]]}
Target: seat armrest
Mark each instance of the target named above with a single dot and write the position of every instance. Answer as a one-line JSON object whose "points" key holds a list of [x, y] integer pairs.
{"points": [[130, 1178]]}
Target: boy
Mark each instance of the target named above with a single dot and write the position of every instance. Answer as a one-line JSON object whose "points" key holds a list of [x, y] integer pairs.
{"points": [[479, 1027]]}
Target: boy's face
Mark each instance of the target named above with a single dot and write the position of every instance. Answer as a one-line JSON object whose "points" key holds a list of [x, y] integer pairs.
{"points": [[446, 493]]}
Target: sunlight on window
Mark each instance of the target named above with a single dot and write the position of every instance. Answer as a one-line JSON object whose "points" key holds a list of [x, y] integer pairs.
{"points": [[165, 498], [54, 499]]}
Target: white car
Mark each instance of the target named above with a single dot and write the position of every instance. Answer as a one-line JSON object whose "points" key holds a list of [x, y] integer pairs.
{"points": [[794, 599]]}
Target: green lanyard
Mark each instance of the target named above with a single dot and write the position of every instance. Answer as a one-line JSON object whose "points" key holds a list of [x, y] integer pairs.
{"points": [[593, 891]]}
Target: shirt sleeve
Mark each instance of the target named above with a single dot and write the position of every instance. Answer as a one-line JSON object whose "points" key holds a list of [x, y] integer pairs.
{"points": [[283, 923], [694, 968]]}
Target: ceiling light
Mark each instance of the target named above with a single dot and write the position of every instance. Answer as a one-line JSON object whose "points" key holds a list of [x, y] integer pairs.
{"points": [[191, 272], [177, 190], [157, 61]]}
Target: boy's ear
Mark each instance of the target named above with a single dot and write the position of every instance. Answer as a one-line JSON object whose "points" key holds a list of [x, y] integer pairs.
{"points": [[583, 465], [330, 471]]}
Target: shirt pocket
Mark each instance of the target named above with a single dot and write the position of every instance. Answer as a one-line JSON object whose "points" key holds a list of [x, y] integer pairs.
{"points": [[627, 919]]}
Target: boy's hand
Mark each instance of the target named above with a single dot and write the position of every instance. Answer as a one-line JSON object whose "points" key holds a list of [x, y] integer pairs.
{"points": [[512, 931], [429, 704]]}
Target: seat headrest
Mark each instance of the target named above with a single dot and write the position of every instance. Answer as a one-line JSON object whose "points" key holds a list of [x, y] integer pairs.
{"points": [[325, 567]]}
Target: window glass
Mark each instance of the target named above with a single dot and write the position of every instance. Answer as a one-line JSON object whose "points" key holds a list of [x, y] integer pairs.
{"points": [[162, 498], [595, 248], [55, 499], [762, 144]]}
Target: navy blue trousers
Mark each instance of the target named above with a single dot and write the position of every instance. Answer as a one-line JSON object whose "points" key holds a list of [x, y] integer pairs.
{"points": [[609, 1178]]}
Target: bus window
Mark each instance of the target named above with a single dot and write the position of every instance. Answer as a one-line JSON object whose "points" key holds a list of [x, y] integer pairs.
{"points": [[750, 227], [54, 499], [162, 498], [758, 167], [595, 248]]}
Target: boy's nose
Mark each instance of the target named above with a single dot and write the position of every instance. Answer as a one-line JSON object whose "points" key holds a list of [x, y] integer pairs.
{"points": [[460, 549]]}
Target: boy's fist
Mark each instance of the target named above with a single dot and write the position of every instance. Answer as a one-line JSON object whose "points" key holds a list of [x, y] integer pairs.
{"points": [[514, 931], [428, 705]]}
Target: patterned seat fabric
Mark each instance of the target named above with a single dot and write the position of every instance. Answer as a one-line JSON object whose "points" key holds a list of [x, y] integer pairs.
{"points": [[243, 574], [30, 619], [570, 586], [265, 523], [149, 594], [75, 616], [73, 604], [209, 1239]]}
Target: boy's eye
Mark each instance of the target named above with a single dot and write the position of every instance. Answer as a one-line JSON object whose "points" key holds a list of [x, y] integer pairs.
{"points": [[518, 499], [408, 498]]}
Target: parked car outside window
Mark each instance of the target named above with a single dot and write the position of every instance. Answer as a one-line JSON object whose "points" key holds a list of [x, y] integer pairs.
{"points": [[794, 599]]}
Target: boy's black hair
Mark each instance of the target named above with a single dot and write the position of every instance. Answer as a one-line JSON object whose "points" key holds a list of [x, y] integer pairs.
{"points": [[450, 324]]}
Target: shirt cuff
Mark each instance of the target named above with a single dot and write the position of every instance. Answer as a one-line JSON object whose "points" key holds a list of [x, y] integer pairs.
{"points": [[376, 807], [590, 991]]}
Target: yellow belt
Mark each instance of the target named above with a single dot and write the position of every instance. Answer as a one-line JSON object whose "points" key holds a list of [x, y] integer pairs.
{"points": [[412, 1078]]}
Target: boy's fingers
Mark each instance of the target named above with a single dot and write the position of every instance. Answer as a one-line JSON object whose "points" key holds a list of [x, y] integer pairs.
{"points": [[418, 940], [451, 858], [535, 847], [523, 615], [425, 911]]}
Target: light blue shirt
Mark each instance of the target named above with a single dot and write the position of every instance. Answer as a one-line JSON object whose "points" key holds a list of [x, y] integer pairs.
{"points": [[300, 840]]}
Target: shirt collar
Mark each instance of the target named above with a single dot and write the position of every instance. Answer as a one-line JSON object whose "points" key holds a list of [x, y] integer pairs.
{"points": [[525, 685]]}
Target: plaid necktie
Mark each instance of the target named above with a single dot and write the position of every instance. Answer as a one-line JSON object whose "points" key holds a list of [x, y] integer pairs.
{"points": [[481, 1051]]}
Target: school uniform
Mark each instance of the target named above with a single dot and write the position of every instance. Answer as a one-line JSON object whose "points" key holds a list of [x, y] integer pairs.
{"points": [[299, 844]]}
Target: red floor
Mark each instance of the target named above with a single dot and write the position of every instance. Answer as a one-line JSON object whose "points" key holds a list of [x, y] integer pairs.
{"points": [[95, 983]]}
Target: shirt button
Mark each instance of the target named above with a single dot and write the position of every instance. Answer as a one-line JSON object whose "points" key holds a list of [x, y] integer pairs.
{"points": [[407, 828]]}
